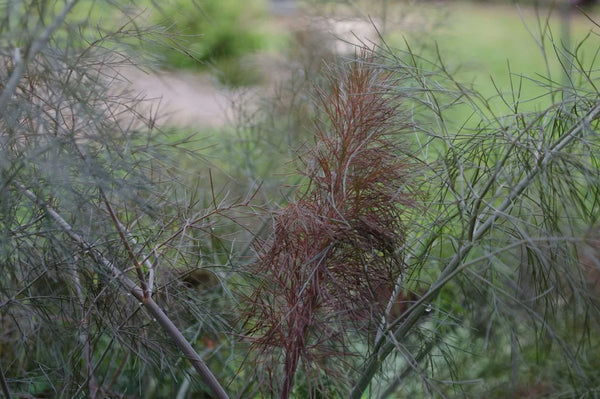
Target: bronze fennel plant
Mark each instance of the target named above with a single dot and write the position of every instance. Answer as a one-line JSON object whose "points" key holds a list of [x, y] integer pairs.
{"points": [[335, 254]]}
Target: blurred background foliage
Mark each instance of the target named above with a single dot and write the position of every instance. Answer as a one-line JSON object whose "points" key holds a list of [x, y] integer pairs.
{"points": [[221, 35]]}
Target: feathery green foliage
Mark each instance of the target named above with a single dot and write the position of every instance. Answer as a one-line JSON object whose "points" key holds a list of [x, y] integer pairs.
{"points": [[421, 253]]}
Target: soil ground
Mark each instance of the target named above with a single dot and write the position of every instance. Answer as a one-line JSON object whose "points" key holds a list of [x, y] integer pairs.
{"points": [[183, 98]]}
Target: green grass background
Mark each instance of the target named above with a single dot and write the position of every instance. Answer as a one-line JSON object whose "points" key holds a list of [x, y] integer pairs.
{"points": [[482, 40]]}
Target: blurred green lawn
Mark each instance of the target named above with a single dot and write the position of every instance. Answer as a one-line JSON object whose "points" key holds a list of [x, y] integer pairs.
{"points": [[481, 40]]}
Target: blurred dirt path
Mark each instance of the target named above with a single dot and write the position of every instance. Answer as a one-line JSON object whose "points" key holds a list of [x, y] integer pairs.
{"points": [[183, 99], [188, 99]]}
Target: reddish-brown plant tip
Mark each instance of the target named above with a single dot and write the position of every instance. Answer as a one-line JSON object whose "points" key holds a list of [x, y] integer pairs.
{"points": [[337, 248]]}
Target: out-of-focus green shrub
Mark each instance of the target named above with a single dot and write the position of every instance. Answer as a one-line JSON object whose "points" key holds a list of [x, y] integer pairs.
{"points": [[219, 33]]}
